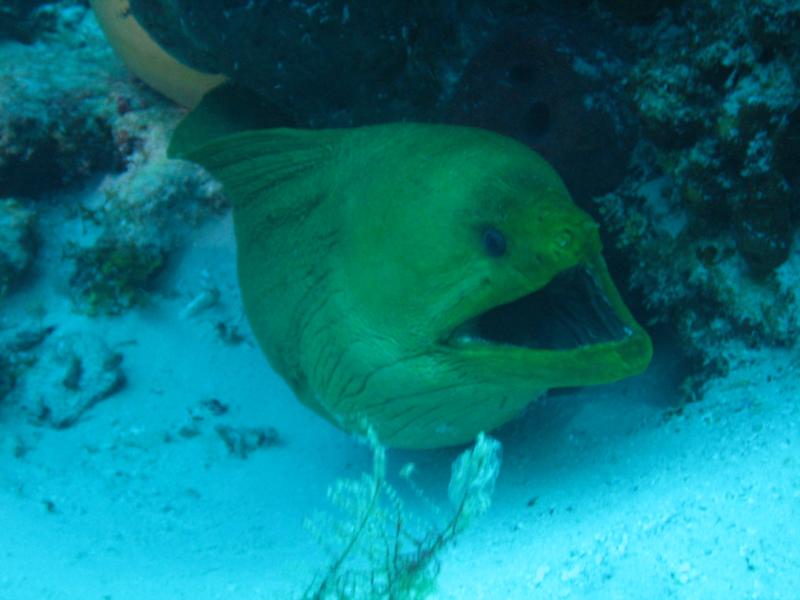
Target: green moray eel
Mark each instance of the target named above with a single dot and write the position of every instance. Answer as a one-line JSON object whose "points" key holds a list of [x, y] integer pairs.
{"points": [[427, 281]]}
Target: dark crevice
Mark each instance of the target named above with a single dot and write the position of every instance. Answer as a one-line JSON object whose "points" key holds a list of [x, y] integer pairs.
{"points": [[569, 312]]}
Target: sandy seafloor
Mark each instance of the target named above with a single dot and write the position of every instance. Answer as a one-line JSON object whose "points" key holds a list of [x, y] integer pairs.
{"points": [[600, 495], [604, 492]]}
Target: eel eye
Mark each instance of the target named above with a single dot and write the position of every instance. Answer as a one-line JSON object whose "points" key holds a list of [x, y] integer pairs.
{"points": [[494, 242]]}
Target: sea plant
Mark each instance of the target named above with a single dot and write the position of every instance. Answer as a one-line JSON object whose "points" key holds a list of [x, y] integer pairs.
{"points": [[382, 551]]}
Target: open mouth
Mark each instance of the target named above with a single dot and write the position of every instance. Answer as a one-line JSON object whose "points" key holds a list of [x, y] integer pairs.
{"points": [[569, 312]]}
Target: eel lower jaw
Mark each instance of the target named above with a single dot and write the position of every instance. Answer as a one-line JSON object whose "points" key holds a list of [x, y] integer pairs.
{"points": [[570, 312]]}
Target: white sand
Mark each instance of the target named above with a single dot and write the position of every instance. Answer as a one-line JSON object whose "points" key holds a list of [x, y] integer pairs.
{"points": [[625, 502]]}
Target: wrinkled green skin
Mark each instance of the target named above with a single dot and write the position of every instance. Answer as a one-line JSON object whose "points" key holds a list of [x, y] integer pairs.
{"points": [[356, 268]]}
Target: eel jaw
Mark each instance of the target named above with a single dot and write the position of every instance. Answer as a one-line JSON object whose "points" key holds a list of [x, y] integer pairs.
{"points": [[571, 311]]}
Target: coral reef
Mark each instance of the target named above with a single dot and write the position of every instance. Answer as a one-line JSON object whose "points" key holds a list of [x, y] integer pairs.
{"points": [[25, 20], [68, 110], [139, 215], [110, 276], [55, 109], [638, 11], [717, 93]]}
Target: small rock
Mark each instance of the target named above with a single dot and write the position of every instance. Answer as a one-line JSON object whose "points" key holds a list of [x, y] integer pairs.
{"points": [[74, 373], [204, 300], [241, 441], [16, 242], [6, 377], [28, 339], [15, 445], [229, 334], [215, 406], [189, 430]]}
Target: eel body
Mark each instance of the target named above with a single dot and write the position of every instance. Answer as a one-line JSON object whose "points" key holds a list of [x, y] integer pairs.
{"points": [[425, 281], [428, 281]]}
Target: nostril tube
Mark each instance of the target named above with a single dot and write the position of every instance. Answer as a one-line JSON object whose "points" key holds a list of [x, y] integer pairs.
{"points": [[564, 238]]}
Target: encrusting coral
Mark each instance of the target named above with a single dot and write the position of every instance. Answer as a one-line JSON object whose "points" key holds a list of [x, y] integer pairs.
{"points": [[709, 217]]}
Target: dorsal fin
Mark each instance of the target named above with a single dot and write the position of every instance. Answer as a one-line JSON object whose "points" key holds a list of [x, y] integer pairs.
{"points": [[226, 109], [252, 162], [229, 134]]}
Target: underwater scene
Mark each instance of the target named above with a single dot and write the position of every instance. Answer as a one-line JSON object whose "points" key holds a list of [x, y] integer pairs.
{"points": [[457, 299]]}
